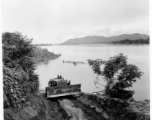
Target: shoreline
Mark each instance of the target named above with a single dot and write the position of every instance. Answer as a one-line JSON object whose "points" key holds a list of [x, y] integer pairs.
{"points": [[46, 59], [43, 55]]}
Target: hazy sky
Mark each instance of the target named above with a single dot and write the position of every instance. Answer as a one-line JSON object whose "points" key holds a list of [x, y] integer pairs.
{"points": [[54, 21]]}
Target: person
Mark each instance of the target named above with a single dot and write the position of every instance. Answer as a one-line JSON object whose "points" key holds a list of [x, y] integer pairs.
{"points": [[58, 77], [69, 82]]}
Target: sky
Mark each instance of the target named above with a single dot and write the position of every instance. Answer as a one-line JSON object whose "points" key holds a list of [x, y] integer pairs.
{"points": [[55, 21]]}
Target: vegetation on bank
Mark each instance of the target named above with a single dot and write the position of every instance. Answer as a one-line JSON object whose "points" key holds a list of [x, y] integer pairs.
{"points": [[43, 55], [116, 109], [19, 59], [22, 100], [119, 77], [19, 79], [128, 41], [118, 74]]}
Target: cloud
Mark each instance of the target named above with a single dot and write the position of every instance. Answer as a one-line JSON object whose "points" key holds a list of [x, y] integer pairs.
{"points": [[51, 21], [102, 32]]}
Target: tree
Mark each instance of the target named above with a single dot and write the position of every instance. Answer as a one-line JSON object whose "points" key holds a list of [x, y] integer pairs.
{"points": [[19, 78], [118, 74]]}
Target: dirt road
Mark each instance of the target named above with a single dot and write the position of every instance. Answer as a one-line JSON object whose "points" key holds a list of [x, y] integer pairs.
{"points": [[73, 112], [76, 110]]}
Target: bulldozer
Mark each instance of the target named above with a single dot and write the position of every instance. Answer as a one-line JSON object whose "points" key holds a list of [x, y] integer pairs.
{"points": [[59, 86]]}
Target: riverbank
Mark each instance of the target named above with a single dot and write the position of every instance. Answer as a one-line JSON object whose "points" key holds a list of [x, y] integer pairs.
{"points": [[84, 107], [37, 108], [114, 109], [43, 55]]}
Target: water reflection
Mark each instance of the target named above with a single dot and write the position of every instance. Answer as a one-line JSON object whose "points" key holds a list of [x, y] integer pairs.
{"points": [[82, 73]]}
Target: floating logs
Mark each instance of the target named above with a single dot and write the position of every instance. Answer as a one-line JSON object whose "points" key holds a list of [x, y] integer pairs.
{"points": [[74, 62]]}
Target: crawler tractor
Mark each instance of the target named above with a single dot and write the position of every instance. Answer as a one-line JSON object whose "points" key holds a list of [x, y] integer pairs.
{"points": [[60, 87]]}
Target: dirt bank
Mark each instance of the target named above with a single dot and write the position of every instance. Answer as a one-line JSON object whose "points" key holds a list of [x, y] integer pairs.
{"points": [[84, 107], [78, 110], [73, 112], [37, 108], [114, 109]]}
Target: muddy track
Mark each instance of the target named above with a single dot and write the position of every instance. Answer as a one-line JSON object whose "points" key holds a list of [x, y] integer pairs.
{"points": [[55, 111], [90, 113], [73, 112], [76, 110]]}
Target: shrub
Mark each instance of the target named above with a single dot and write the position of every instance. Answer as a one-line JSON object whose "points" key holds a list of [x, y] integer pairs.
{"points": [[19, 78], [118, 74]]}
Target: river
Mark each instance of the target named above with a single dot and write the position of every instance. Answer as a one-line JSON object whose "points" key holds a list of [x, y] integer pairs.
{"points": [[82, 73]]}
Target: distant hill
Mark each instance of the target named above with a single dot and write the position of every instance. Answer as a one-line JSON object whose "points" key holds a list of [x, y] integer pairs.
{"points": [[102, 39]]}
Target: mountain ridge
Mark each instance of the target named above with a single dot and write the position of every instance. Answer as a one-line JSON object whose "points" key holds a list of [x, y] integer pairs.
{"points": [[102, 39]]}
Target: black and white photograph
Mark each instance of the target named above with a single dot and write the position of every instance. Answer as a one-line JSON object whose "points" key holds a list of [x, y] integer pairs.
{"points": [[75, 59]]}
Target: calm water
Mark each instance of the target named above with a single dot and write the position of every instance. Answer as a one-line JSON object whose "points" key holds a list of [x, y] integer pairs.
{"points": [[82, 73]]}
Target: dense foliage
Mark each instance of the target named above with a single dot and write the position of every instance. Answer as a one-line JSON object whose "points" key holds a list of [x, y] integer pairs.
{"points": [[19, 78], [127, 41], [118, 74], [120, 109], [41, 55]]}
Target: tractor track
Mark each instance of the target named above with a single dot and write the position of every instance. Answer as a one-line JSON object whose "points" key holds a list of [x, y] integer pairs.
{"points": [[90, 113], [76, 110]]}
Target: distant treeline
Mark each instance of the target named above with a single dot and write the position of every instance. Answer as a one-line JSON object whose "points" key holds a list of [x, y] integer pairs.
{"points": [[128, 41], [43, 44]]}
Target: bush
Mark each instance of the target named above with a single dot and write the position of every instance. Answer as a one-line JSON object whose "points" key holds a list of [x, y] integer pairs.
{"points": [[19, 78], [118, 74]]}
